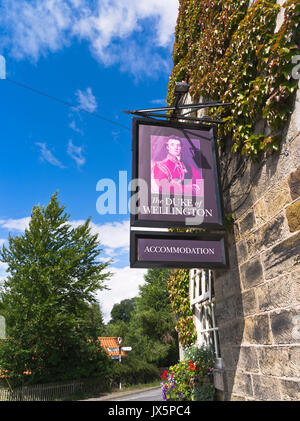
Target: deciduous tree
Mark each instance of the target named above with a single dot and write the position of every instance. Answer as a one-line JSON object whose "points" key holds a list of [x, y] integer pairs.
{"points": [[53, 276], [152, 329]]}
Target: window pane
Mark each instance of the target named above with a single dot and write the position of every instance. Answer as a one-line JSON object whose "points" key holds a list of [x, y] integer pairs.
{"points": [[209, 317], [202, 317], [217, 347], [210, 340], [207, 281], [205, 310], [212, 285], [200, 282]]}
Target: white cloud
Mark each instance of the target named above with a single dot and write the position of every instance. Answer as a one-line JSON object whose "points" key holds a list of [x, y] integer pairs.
{"points": [[113, 252], [123, 284], [86, 100], [76, 153], [116, 19], [2, 241], [35, 28], [3, 267], [47, 155], [105, 259], [139, 60], [113, 235], [165, 11], [15, 224], [109, 30], [161, 102], [75, 128]]}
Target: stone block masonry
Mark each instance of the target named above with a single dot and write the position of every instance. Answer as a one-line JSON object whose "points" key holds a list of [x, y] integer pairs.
{"points": [[258, 297]]}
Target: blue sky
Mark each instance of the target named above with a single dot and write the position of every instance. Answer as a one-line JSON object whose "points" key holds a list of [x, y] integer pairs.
{"points": [[104, 56]]}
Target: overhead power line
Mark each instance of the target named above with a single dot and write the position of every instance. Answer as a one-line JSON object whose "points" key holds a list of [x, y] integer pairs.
{"points": [[61, 101]]}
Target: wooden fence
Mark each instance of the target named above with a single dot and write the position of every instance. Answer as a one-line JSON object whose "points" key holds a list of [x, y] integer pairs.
{"points": [[54, 391]]}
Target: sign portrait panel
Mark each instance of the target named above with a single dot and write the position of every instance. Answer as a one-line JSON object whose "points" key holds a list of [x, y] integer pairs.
{"points": [[175, 168]]}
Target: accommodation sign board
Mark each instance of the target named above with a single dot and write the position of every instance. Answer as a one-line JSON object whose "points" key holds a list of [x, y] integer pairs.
{"points": [[176, 171], [174, 250]]}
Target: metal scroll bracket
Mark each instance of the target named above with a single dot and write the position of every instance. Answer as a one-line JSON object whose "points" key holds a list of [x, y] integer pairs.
{"points": [[175, 112]]}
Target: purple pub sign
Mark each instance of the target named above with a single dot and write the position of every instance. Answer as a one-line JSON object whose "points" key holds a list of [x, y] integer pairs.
{"points": [[176, 168], [175, 184]]}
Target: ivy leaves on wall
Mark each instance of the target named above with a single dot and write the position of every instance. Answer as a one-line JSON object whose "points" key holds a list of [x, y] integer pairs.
{"points": [[178, 288], [230, 52]]}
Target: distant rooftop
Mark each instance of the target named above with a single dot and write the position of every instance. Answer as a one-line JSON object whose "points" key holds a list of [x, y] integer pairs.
{"points": [[110, 342]]}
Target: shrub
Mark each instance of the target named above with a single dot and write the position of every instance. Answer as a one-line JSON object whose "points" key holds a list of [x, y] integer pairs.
{"points": [[190, 379], [204, 392], [133, 371], [196, 353]]}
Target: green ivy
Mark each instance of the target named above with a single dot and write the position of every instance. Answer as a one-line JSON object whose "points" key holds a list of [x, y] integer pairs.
{"points": [[230, 52], [178, 288]]}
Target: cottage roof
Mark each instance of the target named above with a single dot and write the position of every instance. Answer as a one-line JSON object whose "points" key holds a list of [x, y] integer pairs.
{"points": [[110, 342]]}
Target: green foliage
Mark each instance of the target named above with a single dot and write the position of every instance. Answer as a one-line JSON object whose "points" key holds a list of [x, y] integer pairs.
{"points": [[201, 354], [118, 328], [230, 53], [184, 381], [204, 392], [190, 378], [151, 328], [53, 277], [123, 310], [133, 371], [178, 288], [96, 326], [178, 381], [229, 221]]}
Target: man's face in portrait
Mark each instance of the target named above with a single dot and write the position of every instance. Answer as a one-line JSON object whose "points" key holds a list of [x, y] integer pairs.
{"points": [[174, 147]]}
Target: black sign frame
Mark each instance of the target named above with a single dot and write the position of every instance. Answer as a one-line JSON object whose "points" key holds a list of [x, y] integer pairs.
{"points": [[135, 221], [145, 264]]}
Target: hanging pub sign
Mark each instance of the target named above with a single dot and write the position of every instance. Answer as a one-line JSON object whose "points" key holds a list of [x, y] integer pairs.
{"points": [[175, 176], [173, 250]]}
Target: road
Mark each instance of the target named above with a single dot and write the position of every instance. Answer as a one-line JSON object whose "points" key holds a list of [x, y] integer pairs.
{"points": [[149, 394]]}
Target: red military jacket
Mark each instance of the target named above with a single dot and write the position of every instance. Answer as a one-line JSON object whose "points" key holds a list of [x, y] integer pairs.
{"points": [[170, 169], [174, 172]]}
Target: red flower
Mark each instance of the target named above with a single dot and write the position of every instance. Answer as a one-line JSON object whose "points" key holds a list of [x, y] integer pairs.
{"points": [[164, 374], [192, 365]]}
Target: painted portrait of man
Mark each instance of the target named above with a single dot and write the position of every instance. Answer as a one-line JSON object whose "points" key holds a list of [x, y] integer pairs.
{"points": [[176, 172]]}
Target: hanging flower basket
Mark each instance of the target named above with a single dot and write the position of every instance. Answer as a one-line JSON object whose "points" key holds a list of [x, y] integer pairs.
{"points": [[187, 381]]}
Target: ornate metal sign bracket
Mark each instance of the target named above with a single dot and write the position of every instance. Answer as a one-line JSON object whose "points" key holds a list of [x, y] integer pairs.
{"points": [[174, 112]]}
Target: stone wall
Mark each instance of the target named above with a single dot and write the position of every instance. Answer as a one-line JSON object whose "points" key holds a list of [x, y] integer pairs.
{"points": [[258, 297]]}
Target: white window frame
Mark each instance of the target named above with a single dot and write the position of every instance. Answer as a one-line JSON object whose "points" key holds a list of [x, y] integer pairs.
{"points": [[200, 277], [201, 300]]}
